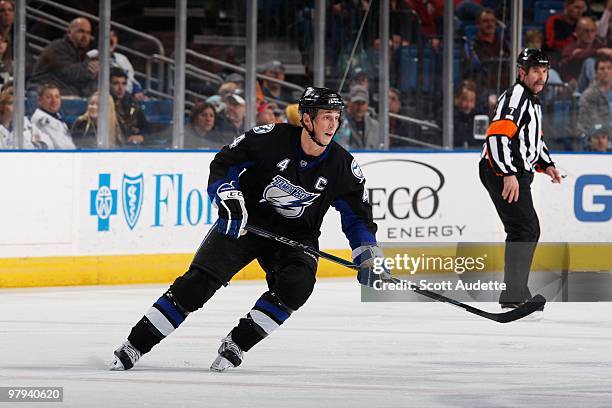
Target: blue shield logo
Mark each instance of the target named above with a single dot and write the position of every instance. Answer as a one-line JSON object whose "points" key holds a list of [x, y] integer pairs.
{"points": [[133, 188]]}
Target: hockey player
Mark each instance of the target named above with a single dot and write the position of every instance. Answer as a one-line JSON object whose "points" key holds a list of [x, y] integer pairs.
{"points": [[513, 151], [282, 178]]}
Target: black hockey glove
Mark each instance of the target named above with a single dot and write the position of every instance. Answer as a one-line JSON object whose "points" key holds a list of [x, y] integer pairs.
{"points": [[232, 212], [371, 268]]}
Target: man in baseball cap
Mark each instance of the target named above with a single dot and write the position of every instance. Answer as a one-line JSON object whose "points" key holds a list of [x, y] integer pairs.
{"points": [[599, 138]]}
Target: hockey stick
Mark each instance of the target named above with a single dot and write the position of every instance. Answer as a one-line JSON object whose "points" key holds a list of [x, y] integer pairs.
{"points": [[523, 310]]}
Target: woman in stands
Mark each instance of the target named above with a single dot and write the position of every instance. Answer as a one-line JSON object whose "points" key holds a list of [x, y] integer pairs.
{"points": [[200, 132], [6, 63], [85, 129]]}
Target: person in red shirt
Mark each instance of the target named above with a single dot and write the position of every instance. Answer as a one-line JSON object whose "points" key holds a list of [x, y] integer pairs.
{"points": [[560, 27], [584, 44]]}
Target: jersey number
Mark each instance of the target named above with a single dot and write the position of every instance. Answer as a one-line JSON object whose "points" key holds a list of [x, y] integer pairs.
{"points": [[282, 165]]}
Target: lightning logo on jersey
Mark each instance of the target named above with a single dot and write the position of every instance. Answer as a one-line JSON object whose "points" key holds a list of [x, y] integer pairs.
{"points": [[287, 199]]}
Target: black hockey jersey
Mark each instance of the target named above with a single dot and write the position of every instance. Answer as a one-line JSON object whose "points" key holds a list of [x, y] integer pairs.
{"points": [[289, 193]]}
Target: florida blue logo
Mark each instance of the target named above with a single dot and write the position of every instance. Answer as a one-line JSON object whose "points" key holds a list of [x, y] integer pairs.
{"points": [[103, 202], [288, 200], [592, 198], [133, 189]]}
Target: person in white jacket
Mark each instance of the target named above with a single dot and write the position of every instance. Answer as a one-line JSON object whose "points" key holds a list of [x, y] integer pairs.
{"points": [[32, 138], [48, 120]]}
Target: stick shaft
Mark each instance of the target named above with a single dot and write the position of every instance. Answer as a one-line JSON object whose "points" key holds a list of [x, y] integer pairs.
{"points": [[522, 311]]}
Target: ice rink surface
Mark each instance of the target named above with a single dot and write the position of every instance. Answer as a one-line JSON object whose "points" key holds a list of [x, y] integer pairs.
{"points": [[334, 352]]}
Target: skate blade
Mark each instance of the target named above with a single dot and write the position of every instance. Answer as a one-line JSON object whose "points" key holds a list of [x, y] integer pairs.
{"points": [[220, 364], [116, 365]]}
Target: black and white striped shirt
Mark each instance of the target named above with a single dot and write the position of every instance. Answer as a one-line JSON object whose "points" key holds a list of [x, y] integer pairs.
{"points": [[514, 138]]}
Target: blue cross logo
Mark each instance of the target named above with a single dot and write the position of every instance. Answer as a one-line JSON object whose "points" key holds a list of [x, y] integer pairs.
{"points": [[103, 202]]}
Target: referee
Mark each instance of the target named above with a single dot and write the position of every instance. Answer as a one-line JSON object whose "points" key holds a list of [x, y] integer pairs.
{"points": [[513, 151]]}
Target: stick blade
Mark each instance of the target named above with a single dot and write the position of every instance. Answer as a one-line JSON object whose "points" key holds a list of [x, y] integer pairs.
{"points": [[523, 310]]}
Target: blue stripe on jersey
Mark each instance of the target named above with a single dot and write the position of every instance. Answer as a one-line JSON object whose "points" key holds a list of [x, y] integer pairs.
{"points": [[170, 311], [233, 174], [278, 313], [353, 227]]}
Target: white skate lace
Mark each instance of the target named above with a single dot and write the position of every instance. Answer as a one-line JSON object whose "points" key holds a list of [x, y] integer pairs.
{"points": [[231, 346], [132, 353]]}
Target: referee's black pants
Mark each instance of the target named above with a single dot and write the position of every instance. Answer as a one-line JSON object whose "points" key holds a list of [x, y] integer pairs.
{"points": [[522, 231]]}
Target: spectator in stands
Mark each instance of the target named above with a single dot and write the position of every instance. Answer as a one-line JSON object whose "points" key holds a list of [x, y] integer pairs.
{"points": [[402, 24], [359, 128], [201, 131], [32, 138], [396, 126], [217, 102], [275, 69], [584, 45], [265, 114], [468, 10], [7, 18], [431, 13], [130, 116], [344, 21], [85, 128], [599, 138], [227, 88], [237, 79], [489, 47], [463, 115], [8, 87], [6, 63], [231, 120], [604, 30], [595, 102], [534, 39], [279, 115], [65, 62], [48, 121], [119, 60], [561, 26], [358, 77]]}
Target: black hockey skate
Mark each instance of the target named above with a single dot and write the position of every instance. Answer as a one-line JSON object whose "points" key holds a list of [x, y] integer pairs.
{"points": [[125, 357], [230, 355]]}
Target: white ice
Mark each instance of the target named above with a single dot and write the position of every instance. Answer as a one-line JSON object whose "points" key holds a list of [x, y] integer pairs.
{"points": [[334, 352]]}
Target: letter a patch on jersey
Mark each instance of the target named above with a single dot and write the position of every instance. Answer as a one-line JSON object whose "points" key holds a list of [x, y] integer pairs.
{"points": [[287, 199]]}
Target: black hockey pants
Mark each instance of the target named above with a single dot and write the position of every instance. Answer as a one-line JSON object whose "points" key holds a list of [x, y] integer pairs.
{"points": [[290, 275]]}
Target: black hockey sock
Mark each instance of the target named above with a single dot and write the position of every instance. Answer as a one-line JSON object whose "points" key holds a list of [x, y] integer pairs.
{"points": [[265, 317], [158, 322]]}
